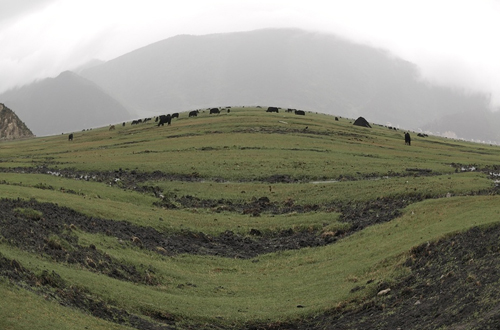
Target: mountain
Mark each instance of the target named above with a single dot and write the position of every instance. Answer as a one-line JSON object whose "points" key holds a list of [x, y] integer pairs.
{"points": [[281, 67], [89, 64], [64, 104], [11, 127], [479, 125]]}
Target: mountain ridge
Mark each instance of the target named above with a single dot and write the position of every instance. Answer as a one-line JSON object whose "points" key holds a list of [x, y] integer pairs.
{"points": [[65, 103], [290, 68], [284, 67]]}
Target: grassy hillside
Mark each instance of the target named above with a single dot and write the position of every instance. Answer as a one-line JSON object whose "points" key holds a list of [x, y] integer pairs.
{"points": [[245, 219]]}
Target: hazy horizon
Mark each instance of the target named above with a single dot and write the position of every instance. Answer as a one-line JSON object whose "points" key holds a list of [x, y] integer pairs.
{"points": [[452, 42]]}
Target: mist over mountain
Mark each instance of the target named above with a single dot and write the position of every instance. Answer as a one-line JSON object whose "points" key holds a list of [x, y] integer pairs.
{"points": [[89, 64], [282, 67], [479, 125], [64, 104], [288, 68]]}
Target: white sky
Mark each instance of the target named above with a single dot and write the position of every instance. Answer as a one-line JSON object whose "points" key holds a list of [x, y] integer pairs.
{"points": [[452, 41]]}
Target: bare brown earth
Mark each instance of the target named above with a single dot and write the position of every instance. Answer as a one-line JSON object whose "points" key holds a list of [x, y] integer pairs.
{"points": [[452, 282], [11, 127]]}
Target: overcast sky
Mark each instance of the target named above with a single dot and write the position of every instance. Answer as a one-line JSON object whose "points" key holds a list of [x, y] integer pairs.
{"points": [[452, 41]]}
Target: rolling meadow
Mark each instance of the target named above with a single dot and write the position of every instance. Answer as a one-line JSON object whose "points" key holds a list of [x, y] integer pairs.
{"points": [[247, 220]]}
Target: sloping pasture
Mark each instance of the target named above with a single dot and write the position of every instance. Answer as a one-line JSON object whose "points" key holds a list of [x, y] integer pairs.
{"points": [[225, 220]]}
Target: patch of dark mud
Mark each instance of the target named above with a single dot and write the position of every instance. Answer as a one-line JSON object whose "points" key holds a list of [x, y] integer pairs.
{"points": [[255, 207], [52, 287], [50, 233], [132, 179], [278, 178], [119, 177], [453, 284], [363, 214], [47, 229]]}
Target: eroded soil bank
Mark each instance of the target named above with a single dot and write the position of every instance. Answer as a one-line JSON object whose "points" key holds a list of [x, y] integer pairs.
{"points": [[453, 284], [50, 230]]}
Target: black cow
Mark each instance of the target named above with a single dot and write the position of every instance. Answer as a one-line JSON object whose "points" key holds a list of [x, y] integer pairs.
{"points": [[300, 112], [175, 115], [165, 120], [70, 137], [193, 113], [407, 139], [272, 109], [215, 110], [135, 122]]}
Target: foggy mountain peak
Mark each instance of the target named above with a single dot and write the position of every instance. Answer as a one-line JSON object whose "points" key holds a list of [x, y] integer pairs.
{"points": [[65, 103], [280, 67]]}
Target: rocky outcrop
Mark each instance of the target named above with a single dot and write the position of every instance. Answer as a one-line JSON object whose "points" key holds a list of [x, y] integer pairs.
{"points": [[11, 127]]}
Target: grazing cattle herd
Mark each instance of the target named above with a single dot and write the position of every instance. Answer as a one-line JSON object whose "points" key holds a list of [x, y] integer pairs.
{"points": [[167, 119]]}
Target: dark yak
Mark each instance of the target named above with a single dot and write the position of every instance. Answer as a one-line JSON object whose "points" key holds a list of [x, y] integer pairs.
{"points": [[193, 113], [70, 137], [272, 109], [175, 115], [300, 112], [214, 110], [165, 119], [407, 139]]}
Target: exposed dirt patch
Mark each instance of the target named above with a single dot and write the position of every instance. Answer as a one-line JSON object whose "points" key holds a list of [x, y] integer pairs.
{"points": [[254, 207], [453, 284], [48, 228], [131, 179], [53, 287]]}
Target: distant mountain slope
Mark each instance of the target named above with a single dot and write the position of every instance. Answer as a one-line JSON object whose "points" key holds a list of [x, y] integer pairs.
{"points": [[64, 104], [282, 67], [479, 125], [11, 127]]}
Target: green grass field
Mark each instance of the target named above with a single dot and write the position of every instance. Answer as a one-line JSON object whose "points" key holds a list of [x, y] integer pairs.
{"points": [[233, 158]]}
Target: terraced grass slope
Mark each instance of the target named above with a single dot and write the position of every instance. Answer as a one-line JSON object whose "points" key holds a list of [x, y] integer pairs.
{"points": [[248, 219]]}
